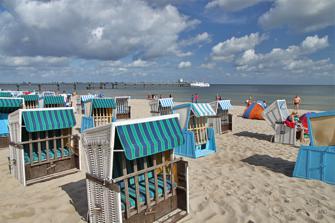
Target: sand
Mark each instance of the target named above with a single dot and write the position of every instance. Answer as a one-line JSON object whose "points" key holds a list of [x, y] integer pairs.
{"points": [[249, 179]]}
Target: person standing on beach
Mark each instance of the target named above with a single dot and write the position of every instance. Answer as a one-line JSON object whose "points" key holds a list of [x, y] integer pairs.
{"points": [[196, 97], [296, 102], [192, 98]]}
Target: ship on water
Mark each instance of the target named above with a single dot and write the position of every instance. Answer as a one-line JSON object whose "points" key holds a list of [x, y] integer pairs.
{"points": [[199, 84]]}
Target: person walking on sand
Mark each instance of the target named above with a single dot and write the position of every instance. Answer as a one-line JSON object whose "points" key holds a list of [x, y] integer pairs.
{"points": [[296, 103], [196, 97]]}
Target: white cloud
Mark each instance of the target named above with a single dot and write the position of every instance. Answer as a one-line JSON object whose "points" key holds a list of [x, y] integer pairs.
{"points": [[302, 15], [226, 50], [184, 64], [233, 5], [183, 54], [293, 59], [107, 30], [198, 39], [208, 65], [139, 63], [32, 61]]}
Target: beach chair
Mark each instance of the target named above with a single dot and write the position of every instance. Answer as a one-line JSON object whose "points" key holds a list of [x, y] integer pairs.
{"points": [[51, 101], [98, 112], [161, 106], [5, 94], [223, 121], [84, 99], [7, 105], [133, 175], [123, 110], [275, 115], [317, 161], [200, 139], [42, 145], [30, 100]]}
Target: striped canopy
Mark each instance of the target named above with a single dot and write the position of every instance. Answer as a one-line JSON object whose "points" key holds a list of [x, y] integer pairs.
{"points": [[225, 104], [5, 94], [148, 138], [85, 98], [10, 104], [29, 97], [103, 103], [166, 102], [54, 100], [47, 119], [202, 110]]}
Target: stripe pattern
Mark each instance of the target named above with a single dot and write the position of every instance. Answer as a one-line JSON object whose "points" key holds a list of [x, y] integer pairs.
{"points": [[85, 98], [44, 120], [54, 100], [10, 104], [225, 104], [148, 138], [202, 110], [103, 103], [29, 97], [166, 102], [5, 94]]}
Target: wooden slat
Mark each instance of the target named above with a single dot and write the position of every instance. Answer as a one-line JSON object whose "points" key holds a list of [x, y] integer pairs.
{"points": [[31, 148], [126, 190], [147, 192], [62, 143], [47, 146], [55, 147], [164, 176], [39, 147], [154, 160], [43, 140], [137, 188], [172, 176]]}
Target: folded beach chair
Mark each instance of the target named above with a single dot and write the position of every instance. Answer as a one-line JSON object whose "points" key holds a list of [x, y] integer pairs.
{"points": [[133, 175], [317, 161], [223, 121], [200, 139], [123, 110], [275, 115], [42, 145], [161, 106]]}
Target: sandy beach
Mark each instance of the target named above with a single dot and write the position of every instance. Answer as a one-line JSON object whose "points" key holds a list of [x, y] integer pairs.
{"points": [[248, 180]]}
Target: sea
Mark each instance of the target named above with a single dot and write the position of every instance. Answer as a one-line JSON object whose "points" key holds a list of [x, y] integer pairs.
{"points": [[314, 97]]}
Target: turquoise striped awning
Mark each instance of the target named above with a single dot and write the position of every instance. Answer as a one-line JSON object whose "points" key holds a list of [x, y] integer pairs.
{"points": [[54, 100], [29, 97], [5, 94], [103, 103], [44, 120], [166, 102], [225, 104], [10, 104], [202, 110], [148, 138]]}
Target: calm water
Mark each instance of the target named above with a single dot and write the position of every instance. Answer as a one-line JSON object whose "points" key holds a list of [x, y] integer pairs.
{"points": [[313, 96]]}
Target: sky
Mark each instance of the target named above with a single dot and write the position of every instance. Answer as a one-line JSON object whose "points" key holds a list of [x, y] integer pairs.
{"points": [[217, 41]]}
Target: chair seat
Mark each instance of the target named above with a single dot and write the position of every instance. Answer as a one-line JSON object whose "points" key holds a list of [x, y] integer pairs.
{"points": [[44, 155]]}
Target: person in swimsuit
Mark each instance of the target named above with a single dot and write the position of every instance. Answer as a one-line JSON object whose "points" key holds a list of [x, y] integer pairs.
{"points": [[296, 103]]}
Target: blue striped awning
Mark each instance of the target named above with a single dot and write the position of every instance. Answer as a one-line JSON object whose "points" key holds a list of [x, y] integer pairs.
{"points": [[166, 102], [5, 94], [103, 103], [202, 110], [225, 104], [49, 119], [148, 138], [54, 100], [85, 98], [10, 104], [29, 97]]}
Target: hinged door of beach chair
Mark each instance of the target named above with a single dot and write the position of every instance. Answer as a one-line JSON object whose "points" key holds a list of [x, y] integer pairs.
{"points": [[277, 112], [133, 175], [285, 134], [200, 139], [7, 105], [123, 110], [222, 122], [42, 145], [52, 101], [30, 101], [317, 161]]}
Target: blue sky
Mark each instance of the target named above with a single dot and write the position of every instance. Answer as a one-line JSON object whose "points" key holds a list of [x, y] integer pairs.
{"points": [[219, 41]]}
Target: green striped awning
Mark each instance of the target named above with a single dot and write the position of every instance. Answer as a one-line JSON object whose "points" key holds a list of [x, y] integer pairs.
{"points": [[54, 100], [10, 104], [5, 94], [103, 103], [148, 138], [30, 97], [43, 120]]}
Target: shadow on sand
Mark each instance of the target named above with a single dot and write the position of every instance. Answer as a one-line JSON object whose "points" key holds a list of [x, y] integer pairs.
{"points": [[77, 193], [258, 136], [274, 164]]}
